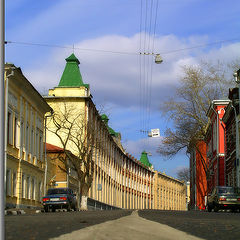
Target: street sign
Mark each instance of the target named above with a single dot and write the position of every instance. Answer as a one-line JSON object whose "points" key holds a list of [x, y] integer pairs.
{"points": [[99, 187], [155, 132]]}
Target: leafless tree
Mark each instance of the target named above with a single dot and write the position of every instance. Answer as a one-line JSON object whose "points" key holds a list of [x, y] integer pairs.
{"points": [[78, 140], [183, 174], [199, 85]]}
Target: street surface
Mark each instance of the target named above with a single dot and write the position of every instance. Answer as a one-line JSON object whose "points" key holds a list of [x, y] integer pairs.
{"points": [[124, 224]]}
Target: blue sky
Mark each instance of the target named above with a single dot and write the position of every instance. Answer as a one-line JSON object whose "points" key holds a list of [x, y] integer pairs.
{"points": [[114, 79]]}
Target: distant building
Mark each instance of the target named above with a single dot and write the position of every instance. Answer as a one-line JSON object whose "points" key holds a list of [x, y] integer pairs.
{"points": [[169, 193], [25, 161]]}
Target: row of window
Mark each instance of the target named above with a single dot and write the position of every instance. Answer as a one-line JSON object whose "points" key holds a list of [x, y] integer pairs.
{"points": [[22, 135], [30, 188]]}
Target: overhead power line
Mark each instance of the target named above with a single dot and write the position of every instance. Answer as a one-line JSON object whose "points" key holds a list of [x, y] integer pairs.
{"points": [[119, 52], [69, 47]]}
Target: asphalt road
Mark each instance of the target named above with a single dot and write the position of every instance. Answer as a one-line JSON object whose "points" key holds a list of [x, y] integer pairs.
{"points": [[124, 224], [210, 226], [43, 226]]}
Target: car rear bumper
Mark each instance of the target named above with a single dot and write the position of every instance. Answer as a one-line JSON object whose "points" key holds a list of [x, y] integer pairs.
{"points": [[56, 204], [226, 205]]}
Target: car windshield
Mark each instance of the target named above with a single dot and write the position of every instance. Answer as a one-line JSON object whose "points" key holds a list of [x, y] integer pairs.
{"points": [[227, 190], [57, 191]]}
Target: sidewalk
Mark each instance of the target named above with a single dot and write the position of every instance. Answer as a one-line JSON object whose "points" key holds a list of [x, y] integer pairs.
{"points": [[130, 227]]}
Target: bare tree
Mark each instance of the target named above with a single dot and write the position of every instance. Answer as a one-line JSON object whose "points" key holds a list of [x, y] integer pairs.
{"points": [[183, 174], [199, 85], [78, 139]]}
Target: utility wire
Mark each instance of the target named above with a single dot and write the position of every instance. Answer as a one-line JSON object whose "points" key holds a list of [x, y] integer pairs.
{"points": [[118, 52], [68, 47]]}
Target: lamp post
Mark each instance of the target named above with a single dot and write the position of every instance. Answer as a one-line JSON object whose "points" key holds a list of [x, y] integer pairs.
{"points": [[237, 80]]}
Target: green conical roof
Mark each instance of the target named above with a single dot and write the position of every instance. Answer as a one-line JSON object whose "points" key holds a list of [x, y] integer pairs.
{"points": [[110, 130], [71, 76], [144, 159]]}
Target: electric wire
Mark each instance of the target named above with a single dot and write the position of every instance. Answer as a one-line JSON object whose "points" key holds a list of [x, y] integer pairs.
{"points": [[151, 67], [127, 53]]}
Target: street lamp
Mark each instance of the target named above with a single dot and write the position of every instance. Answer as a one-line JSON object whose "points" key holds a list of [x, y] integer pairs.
{"points": [[158, 59]]}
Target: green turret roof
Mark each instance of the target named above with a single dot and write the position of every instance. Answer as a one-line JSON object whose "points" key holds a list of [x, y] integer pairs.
{"points": [[144, 159], [110, 130], [71, 76]]}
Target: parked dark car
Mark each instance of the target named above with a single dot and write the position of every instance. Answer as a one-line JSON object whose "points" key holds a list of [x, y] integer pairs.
{"points": [[223, 197], [59, 198]]}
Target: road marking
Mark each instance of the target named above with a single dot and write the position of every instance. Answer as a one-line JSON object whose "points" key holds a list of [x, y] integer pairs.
{"points": [[129, 227]]}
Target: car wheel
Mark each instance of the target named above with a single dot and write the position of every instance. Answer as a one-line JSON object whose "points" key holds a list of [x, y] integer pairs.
{"points": [[209, 208], [234, 210], [215, 209], [46, 209], [69, 208]]}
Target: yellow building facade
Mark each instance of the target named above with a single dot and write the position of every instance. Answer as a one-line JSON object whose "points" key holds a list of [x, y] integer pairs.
{"points": [[24, 155], [169, 193], [118, 179]]}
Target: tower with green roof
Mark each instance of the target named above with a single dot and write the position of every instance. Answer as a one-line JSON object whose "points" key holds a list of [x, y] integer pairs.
{"points": [[144, 159], [71, 83], [71, 76]]}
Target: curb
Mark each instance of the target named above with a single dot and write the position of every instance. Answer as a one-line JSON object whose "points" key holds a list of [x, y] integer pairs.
{"points": [[19, 212], [14, 212]]}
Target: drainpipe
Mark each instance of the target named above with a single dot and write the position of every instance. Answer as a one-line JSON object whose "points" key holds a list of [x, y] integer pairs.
{"points": [[6, 128], [217, 142], [45, 151]]}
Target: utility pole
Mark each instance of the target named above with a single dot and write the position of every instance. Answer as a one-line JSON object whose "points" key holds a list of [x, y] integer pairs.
{"points": [[2, 165]]}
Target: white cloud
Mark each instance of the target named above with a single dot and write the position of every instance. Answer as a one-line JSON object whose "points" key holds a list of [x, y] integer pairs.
{"points": [[144, 144], [115, 78]]}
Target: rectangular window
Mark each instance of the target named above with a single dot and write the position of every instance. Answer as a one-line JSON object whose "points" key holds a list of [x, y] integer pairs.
{"points": [[27, 136], [15, 131], [40, 147], [9, 128], [8, 182], [23, 186], [14, 184], [28, 188], [21, 134], [40, 191], [33, 189]]}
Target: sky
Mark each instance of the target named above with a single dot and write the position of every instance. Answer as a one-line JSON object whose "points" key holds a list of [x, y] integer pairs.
{"points": [[107, 37]]}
